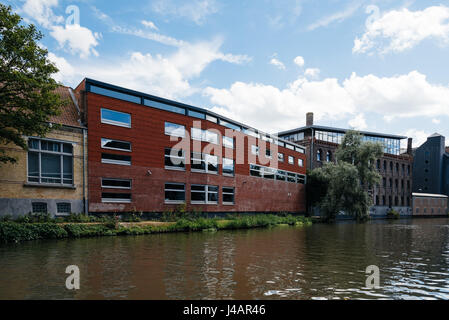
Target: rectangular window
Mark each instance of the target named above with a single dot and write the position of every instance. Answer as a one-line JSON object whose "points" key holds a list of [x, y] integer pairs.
{"points": [[291, 160], [212, 163], [268, 153], [255, 150], [115, 159], [255, 170], [280, 157], [300, 179], [251, 133], [269, 173], [174, 159], [291, 177], [229, 125], [163, 106], [115, 144], [301, 162], [39, 207], [115, 183], [116, 118], [228, 167], [228, 195], [50, 162], [64, 207], [175, 130], [204, 135], [281, 175], [228, 142], [211, 119], [204, 163], [175, 193], [289, 146], [196, 114], [200, 194], [212, 194], [116, 197], [115, 94]]}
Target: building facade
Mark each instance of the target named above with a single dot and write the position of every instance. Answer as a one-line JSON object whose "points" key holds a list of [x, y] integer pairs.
{"points": [[51, 176], [395, 188], [431, 166], [425, 204], [149, 154]]}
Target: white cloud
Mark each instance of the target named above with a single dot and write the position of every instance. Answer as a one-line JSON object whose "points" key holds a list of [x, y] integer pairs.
{"points": [[312, 73], [336, 17], [66, 70], [41, 11], [436, 121], [419, 137], [409, 95], [149, 24], [399, 30], [277, 63], [358, 123], [80, 40], [154, 36], [196, 10], [299, 61]]}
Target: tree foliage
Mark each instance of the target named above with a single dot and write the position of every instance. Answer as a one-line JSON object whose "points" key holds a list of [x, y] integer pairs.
{"points": [[27, 91], [345, 185]]}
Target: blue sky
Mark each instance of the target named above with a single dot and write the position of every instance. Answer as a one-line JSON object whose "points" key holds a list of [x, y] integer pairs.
{"points": [[372, 65]]}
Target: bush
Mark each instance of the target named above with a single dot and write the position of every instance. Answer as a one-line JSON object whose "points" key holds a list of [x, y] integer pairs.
{"points": [[15, 232], [393, 214]]}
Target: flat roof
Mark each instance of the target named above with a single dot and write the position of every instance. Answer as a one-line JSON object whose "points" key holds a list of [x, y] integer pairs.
{"points": [[429, 195], [341, 130], [143, 95]]}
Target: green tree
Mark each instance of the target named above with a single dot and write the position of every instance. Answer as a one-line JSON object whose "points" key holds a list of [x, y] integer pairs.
{"points": [[27, 91], [346, 184]]}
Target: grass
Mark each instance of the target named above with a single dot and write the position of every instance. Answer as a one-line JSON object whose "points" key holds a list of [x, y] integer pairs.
{"points": [[17, 231]]}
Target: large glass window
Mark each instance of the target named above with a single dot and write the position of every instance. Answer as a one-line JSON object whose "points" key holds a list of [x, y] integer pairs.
{"points": [[228, 195], [113, 183], [228, 167], [116, 197], [115, 94], [201, 162], [50, 162], [115, 118], [175, 193], [255, 150], [175, 130], [204, 135], [196, 114], [164, 106], [115, 159], [174, 159], [228, 142], [115, 144], [200, 194], [229, 125]]}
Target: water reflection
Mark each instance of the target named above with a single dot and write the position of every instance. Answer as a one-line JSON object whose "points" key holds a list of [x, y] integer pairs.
{"points": [[316, 262]]}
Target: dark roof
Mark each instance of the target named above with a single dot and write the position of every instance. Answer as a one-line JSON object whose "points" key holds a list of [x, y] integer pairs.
{"points": [[70, 114], [340, 130]]}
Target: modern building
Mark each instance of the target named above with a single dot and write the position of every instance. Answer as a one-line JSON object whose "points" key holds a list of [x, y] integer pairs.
{"points": [[149, 154], [51, 176], [431, 167], [395, 188], [427, 204]]}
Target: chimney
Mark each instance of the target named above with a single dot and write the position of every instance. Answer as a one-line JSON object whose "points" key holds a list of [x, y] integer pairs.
{"points": [[309, 119], [409, 146]]}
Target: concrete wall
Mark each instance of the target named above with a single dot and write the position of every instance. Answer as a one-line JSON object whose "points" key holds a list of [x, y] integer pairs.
{"points": [[16, 195]]}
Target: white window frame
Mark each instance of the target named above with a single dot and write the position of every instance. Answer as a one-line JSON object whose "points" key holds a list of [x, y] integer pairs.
{"points": [[300, 162], [175, 190], [183, 158], [206, 194], [204, 135], [204, 158], [228, 193], [115, 123], [291, 160], [171, 134], [233, 167]]}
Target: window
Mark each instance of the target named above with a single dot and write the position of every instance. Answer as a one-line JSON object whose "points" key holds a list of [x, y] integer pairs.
{"points": [[255, 171], [229, 125], [113, 183], [39, 207], [50, 162], [291, 177], [255, 150], [64, 207], [268, 153], [196, 114], [175, 193], [116, 118], [163, 106], [228, 142], [301, 162], [116, 159], [269, 173], [211, 119], [291, 160], [300, 179], [281, 175], [115, 144], [319, 155], [200, 194], [175, 130], [289, 146], [328, 156], [201, 162], [204, 135], [228, 167], [228, 195], [280, 157], [116, 197], [115, 94], [174, 159]]}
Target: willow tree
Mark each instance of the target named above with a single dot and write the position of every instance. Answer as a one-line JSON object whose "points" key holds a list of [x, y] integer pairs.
{"points": [[347, 183], [27, 97]]}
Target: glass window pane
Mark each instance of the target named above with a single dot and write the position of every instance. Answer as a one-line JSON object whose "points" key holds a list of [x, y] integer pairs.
{"points": [[51, 168], [116, 118], [163, 106], [115, 144], [33, 166], [114, 94], [173, 129], [196, 114]]}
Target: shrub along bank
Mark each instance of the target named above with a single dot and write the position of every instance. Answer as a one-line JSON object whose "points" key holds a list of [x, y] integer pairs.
{"points": [[17, 231]]}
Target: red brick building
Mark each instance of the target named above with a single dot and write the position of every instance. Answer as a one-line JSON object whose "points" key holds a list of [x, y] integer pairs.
{"points": [[149, 154]]}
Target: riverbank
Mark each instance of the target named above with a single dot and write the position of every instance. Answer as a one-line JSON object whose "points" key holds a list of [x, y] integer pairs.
{"points": [[18, 231]]}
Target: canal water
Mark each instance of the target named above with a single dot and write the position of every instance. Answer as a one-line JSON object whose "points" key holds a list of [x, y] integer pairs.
{"points": [[316, 262]]}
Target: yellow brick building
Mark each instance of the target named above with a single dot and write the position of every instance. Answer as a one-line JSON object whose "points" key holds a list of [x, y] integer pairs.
{"points": [[52, 175]]}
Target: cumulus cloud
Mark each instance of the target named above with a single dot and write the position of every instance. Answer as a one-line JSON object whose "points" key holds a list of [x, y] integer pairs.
{"points": [[312, 73], [196, 11], [401, 96], [277, 63], [400, 30], [299, 61], [358, 123], [41, 11], [79, 40], [419, 137], [66, 70]]}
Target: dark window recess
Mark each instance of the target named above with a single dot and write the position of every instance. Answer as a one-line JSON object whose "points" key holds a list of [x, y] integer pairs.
{"points": [[64, 207], [174, 192], [115, 144], [116, 183], [174, 158], [228, 195], [107, 195], [115, 158], [39, 207]]}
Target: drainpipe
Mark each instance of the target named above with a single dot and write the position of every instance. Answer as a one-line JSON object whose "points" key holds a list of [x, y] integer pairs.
{"points": [[84, 172]]}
